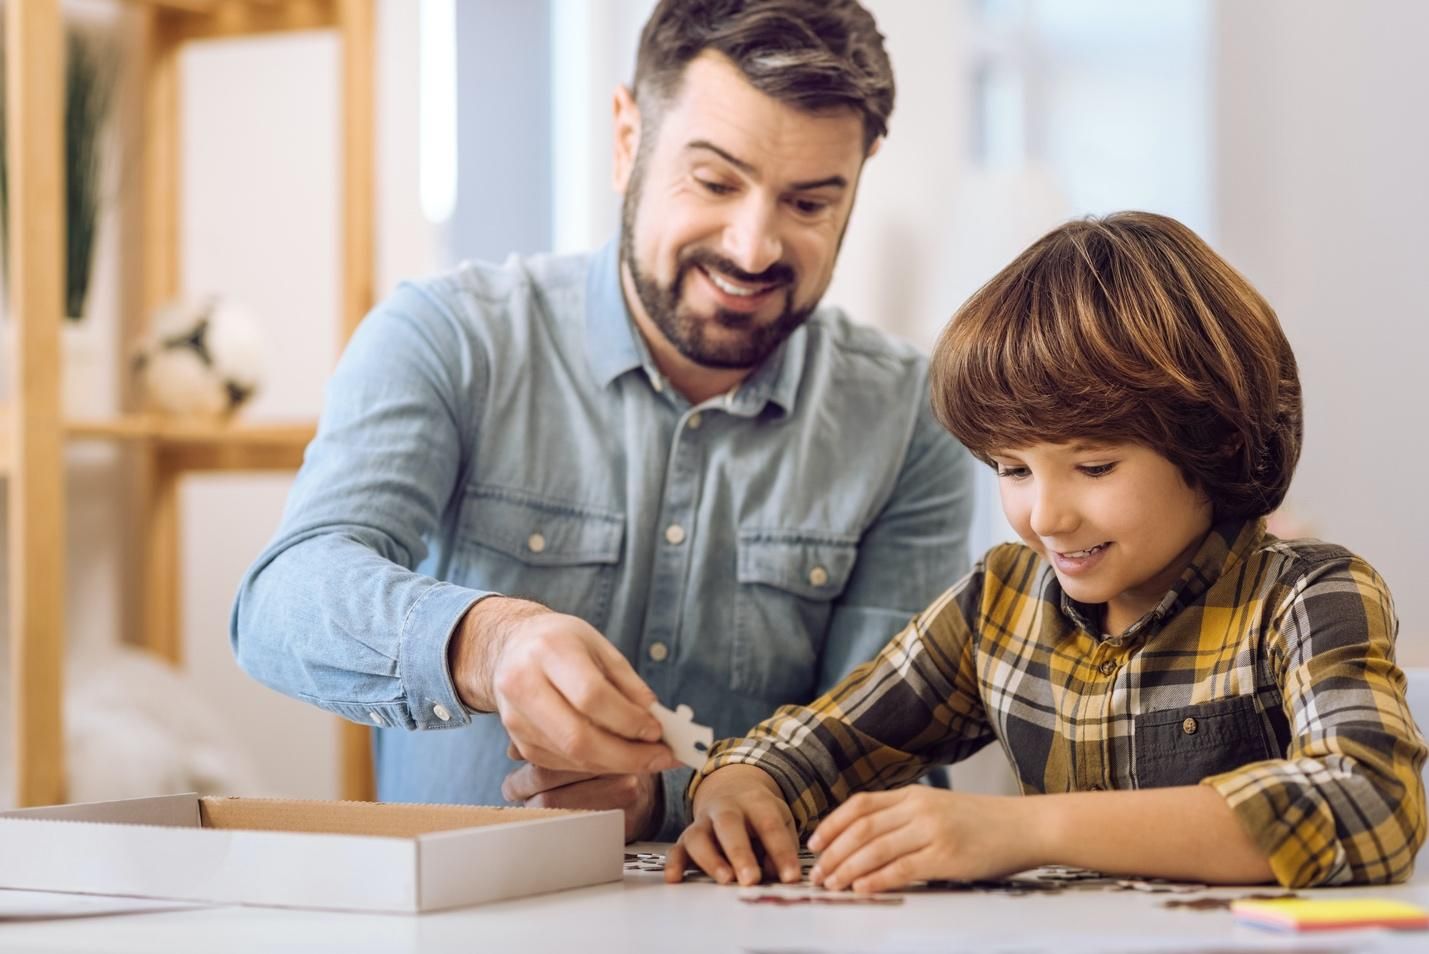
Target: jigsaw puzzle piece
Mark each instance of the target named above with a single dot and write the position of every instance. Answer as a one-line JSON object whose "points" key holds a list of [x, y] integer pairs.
{"points": [[690, 742]]}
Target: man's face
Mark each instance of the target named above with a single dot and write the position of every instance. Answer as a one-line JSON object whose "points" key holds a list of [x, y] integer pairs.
{"points": [[733, 216]]}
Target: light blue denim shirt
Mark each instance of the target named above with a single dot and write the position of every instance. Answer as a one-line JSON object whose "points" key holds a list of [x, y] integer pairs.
{"points": [[502, 429]]}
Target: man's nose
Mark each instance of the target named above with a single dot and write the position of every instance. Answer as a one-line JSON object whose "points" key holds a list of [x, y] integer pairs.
{"points": [[751, 239]]}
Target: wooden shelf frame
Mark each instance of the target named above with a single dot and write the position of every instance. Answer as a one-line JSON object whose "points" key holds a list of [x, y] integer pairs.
{"points": [[33, 431]]}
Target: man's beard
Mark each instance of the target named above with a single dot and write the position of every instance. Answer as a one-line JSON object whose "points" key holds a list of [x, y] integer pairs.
{"points": [[753, 341]]}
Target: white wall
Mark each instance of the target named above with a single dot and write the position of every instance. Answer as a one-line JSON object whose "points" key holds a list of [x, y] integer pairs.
{"points": [[1322, 157]]}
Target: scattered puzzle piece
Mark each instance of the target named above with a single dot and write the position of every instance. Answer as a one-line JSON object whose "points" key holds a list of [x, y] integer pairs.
{"points": [[690, 742]]}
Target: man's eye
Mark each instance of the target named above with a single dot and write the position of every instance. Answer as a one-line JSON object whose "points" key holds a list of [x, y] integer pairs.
{"points": [[809, 206], [715, 188]]}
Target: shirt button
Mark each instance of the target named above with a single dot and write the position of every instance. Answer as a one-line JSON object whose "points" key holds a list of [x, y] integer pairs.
{"points": [[675, 534], [659, 652], [1189, 727], [1107, 668], [377, 719], [535, 543], [440, 711], [694, 421], [818, 576]]}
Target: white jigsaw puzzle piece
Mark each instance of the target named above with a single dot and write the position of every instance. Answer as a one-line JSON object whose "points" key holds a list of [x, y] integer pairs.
{"points": [[690, 742]]}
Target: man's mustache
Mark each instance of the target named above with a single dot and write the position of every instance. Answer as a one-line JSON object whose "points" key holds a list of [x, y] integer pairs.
{"points": [[777, 274]]}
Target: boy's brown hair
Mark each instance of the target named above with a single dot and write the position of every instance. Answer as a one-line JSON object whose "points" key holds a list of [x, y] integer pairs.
{"points": [[1128, 328], [813, 55]]}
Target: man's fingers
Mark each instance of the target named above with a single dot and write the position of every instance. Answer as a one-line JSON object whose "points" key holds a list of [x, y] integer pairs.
{"points": [[552, 734], [591, 791], [588, 686], [626, 679], [531, 780]]}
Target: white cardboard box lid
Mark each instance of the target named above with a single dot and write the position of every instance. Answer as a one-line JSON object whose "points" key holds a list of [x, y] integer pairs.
{"points": [[361, 856]]}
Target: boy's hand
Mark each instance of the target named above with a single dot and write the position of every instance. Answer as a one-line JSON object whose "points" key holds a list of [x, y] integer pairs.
{"points": [[879, 841], [730, 805]]}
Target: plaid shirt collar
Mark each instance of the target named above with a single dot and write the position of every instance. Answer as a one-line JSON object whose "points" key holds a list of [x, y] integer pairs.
{"points": [[1227, 543]]}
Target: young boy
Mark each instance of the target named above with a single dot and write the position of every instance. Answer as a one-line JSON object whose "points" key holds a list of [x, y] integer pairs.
{"points": [[1186, 696]]}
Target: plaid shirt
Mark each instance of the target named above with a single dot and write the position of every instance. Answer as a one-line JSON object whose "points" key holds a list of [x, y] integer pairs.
{"points": [[1267, 671]]}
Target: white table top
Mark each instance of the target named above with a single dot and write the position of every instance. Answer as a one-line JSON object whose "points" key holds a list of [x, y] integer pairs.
{"points": [[642, 913]]}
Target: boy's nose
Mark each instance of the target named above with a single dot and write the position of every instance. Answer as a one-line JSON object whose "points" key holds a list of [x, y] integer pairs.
{"points": [[1052, 515]]}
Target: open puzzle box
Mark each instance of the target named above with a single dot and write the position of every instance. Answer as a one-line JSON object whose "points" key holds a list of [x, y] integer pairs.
{"points": [[357, 856]]}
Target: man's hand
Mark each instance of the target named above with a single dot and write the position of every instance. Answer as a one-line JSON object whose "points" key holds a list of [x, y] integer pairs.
{"points": [[879, 841], [732, 804], [636, 795], [567, 697]]}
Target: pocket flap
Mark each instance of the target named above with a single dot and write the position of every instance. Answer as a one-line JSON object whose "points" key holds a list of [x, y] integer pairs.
{"points": [[813, 566], [539, 531]]}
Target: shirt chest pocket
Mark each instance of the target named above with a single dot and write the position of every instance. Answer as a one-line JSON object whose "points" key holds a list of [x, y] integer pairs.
{"points": [[787, 584], [1182, 746], [563, 555]]}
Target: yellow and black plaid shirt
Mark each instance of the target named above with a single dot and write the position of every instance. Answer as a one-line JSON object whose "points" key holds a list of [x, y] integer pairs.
{"points": [[1267, 671]]}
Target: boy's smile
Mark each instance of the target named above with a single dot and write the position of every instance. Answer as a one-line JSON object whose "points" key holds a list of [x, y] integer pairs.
{"points": [[1117, 522]]}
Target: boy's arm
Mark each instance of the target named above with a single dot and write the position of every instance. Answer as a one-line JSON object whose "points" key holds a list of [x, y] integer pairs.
{"points": [[1346, 804], [914, 705], [882, 841]]}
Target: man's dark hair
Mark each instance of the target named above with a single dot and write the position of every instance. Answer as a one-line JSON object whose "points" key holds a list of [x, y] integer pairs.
{"points": [[813, 55]]}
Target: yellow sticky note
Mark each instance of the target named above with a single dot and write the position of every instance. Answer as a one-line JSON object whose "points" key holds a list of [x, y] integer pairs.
{"points": [[1331, 914]]}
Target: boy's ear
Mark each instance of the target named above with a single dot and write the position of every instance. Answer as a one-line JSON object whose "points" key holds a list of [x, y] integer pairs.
{"points": [[626, 115], [873, 148]]}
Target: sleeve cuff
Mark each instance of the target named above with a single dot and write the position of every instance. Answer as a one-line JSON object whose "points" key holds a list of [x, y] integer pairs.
{"points": [[432, 700]]}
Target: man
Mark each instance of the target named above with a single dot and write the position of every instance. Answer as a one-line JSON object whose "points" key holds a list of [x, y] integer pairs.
{"points": [[545, 493]]}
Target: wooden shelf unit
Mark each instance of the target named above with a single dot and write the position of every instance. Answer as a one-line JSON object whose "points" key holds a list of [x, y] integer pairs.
{"points": [[33, 431]]}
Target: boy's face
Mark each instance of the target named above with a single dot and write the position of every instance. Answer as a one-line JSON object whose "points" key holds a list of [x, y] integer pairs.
{"points": [[1117, 522]]}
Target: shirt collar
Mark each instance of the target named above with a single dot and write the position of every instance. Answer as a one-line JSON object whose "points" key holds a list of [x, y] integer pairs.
{"points": [[610, 336], [614, 347], [1225, 545]]}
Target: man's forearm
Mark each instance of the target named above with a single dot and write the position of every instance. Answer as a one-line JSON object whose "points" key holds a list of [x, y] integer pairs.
{"points": [[1187, 833]]}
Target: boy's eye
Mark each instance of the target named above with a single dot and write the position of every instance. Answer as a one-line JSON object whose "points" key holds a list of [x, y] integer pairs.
{"points": [[1011, 472], [1097, 470]]}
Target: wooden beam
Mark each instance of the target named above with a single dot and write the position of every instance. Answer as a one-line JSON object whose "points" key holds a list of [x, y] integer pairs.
{"points": [[161, 606], [359, 188], [34, 139], [357, 23], [233, 18]]}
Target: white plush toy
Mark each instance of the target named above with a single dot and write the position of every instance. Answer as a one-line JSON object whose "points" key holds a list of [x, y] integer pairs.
{"points": [[203, 358]]}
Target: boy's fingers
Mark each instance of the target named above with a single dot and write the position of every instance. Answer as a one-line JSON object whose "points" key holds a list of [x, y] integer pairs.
{"points": [[700, 845], [675, 861], [884, 852], [733, 838], [781, 844], [854, 836]]}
